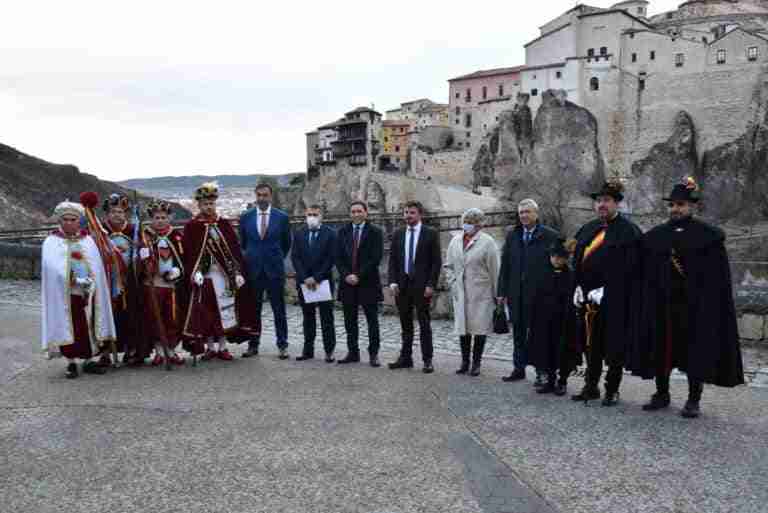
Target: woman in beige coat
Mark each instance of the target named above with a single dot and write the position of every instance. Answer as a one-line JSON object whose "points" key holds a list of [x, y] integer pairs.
{"points": [[472, 270]]}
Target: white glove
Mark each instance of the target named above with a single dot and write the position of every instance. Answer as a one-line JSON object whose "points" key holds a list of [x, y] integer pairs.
{"points": [[198, 279], [596, 296], [84, 283], [578, 297], [174, 273], [144, 253], [239, 281]]}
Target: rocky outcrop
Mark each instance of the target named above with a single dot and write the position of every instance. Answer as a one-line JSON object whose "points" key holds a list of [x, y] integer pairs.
{"points": [[30, 188], [735, 177], [666, 163]]}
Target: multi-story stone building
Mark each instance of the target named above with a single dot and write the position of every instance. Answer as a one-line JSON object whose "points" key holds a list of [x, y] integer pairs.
{"points": [[313, 143], [477, 99], [395, 137], [421, 114]]}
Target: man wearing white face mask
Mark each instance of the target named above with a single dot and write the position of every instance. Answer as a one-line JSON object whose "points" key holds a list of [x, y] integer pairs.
{"points": [[313, 259]]}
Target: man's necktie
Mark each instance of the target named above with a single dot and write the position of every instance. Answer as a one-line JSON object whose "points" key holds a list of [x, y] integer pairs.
{"points": [[263, 226], [527, 237], [312, 238], [355, 247], [409, 263]]}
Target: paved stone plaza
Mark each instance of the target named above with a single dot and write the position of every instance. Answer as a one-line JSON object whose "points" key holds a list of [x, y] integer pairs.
{"points": [[264, 435]]}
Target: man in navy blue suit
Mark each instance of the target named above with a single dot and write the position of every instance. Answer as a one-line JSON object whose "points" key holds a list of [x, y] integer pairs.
{"points": [[313, 257], [265, 236]]}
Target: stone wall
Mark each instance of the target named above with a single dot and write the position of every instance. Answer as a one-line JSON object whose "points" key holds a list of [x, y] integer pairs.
{"points": [[452, 167], [19, 261]]}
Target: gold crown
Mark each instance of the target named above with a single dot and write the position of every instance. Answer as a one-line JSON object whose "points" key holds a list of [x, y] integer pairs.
{"points": [[209, 190], [116, 200], [159, 206]]}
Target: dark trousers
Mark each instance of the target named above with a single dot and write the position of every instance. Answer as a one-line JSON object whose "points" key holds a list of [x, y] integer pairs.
{"points": [[275, 289], [371, 312], [695, 387], [407, 301], [520, 334], [310, 326], [596, 354]]}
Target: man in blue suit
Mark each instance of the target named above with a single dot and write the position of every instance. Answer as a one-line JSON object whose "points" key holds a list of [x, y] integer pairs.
{"points": [[265, 236], [313, 257]]}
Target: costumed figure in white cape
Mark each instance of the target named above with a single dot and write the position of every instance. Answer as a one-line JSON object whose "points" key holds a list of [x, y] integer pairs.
{"points": [[77, 307]]}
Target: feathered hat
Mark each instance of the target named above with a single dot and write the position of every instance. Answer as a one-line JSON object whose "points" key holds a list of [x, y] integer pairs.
{"points": [[209, 190], [68, 207], [613, 188], [686, 190], [116, 200], [159, 206]]}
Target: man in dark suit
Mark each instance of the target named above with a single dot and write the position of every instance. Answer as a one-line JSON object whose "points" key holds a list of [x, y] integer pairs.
{"points": [[265, 236], [360, 248], [414, 268], [313, 257], [524, 263]]}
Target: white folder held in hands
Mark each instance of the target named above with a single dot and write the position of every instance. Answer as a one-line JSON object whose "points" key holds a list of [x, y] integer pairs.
{"points": [[320, 294]]}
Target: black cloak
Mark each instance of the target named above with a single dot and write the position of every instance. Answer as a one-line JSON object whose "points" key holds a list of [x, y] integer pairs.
{"points": [[710, 351], [620, 268]]}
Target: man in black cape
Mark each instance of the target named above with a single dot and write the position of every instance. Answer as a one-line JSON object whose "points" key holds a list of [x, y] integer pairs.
{"points": [[607, 271], [688, 317]]}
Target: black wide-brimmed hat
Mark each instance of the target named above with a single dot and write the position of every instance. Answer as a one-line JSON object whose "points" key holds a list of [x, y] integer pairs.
{"points": [[612, 188], [687, 190]]}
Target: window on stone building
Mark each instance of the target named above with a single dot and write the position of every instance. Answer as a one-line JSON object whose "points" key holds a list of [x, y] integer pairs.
{"points": [[670, 15], [603, 50], [721, 56], [468, 120], [386, 139], [594, 84], [653, 55], [469, 134], [704, 40], [485, 92], [534, 92], [458, 121], [641, 84], [752, 53], [468, 144], [397, 149], [458, 95], [641, 11], [558, 74], [591, 52], [634, 57], [468, 96], [679, 60], [501, 89], [458, 111]]}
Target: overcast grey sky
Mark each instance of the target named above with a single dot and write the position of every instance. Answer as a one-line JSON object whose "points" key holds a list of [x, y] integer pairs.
{"points": [[151, 88]]}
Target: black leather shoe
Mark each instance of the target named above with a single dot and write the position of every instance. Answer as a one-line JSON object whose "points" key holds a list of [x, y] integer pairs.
{"points": [[93, 368], [475, 371], [350, 358], [560, 389], [283, 354], [546, 388], [658, 402], [691, 410], [375, 363], [72, 371], [587, 394], [305, 357], [541, 380], [517, 375], [610, 399], [428, 368], [251, 351], [464, 368], [401, 364], [329, 358]]}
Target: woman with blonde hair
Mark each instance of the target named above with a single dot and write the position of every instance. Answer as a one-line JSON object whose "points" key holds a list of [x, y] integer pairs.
{"points": [[472, 270]]}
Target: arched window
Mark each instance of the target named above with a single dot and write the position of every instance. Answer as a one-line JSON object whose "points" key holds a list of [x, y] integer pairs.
{"points": [[594, 84]]}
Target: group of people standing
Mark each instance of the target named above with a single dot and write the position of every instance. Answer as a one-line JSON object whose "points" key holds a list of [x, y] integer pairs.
{"points": [[646, 302]]}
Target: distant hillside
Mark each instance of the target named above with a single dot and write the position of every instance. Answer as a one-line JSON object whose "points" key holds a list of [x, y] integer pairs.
{"points": [[192, 182], [30, 188]]}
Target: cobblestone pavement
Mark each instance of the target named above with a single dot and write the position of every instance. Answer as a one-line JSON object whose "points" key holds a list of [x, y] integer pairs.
{"points": [[501, 347], [264, 435]]}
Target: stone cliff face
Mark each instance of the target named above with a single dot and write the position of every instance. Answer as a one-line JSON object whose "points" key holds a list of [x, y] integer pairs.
{"points": [[30, 188], [554, 158], [665, 165]]}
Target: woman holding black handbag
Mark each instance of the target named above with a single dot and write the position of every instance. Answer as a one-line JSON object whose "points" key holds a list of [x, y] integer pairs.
{"points": [[472, 271]]}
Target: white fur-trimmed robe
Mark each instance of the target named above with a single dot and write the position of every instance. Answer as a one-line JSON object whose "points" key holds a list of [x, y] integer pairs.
{"points": [[56, 295]]}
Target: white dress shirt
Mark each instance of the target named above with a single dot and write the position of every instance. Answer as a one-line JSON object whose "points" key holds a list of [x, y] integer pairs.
{"points": [[263, 213]]}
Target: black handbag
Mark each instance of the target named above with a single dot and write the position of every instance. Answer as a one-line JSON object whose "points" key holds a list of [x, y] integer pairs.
{"points": [[500, 323]]}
